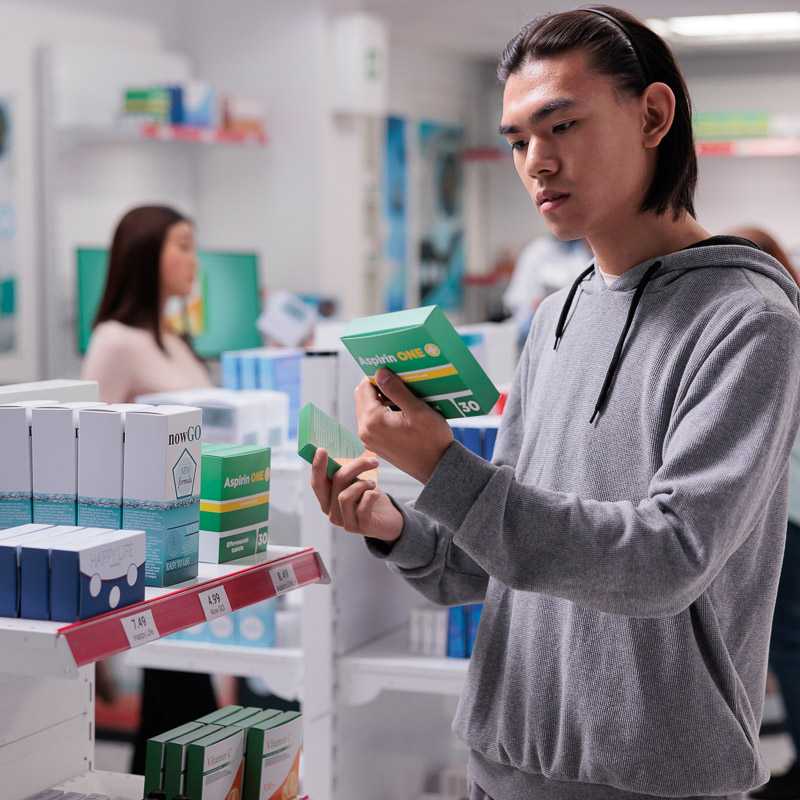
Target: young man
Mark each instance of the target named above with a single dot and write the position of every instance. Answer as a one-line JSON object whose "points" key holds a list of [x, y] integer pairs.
{"points": [[627, 539]]}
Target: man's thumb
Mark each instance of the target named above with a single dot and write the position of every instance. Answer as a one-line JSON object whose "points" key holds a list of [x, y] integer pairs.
{"points": [[396, 391]]}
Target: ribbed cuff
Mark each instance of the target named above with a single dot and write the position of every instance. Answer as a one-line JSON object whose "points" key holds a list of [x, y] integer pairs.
{"points": [[455, 485], [414, 549]]}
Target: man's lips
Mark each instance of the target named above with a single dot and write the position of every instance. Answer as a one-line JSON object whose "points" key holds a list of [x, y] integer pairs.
{"points": [[550, 200]]}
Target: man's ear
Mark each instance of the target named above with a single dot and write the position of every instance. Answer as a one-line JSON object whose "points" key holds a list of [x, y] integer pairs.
{"points": [[658, 112]]}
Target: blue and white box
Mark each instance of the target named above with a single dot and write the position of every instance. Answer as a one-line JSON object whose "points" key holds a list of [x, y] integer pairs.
{"points": [[34, 569], [16, 478], [255, 625], [161, 489], [100, 439], [96, 571], [54, 453], [10, 543]]}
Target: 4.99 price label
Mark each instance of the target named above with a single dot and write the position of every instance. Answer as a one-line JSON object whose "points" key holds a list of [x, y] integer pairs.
{"points": [[215, 603], [140, 628]]}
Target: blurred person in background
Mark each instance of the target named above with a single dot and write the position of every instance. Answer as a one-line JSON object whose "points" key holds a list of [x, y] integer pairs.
{"points": [[134, 351], [784, 649]]}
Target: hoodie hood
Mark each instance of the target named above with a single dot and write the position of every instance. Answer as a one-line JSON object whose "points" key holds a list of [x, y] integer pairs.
{"points": [[657, 274], [718, 252]]}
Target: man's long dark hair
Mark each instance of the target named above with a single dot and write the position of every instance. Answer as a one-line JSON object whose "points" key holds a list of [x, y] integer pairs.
{"points": [[132, 293], [626, 50]]}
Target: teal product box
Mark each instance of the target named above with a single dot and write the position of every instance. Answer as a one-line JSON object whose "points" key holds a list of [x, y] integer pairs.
{"points": [[95, 572], [255, 625], [34, 570], [100, 439], [154, 755], [161, 489], [423, 348], [54, 455], [16, 477], [10, 544]]}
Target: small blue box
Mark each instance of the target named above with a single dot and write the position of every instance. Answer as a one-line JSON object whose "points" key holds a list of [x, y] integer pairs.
{"points": [[95, 572], [255, 625], [471, 439], [231, 376], [10, 544], [34, 570], [489, 441], [473, 621], [249, 371], [457, 633]]}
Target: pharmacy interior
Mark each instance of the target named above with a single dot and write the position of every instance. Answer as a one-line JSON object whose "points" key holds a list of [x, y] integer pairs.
{"points": [[221, 227]]}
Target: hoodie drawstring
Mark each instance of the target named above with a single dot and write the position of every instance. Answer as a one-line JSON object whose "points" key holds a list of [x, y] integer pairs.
{"points": [[617, 357]]}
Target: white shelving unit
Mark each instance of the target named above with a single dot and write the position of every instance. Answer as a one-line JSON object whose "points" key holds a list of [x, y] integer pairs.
{"points": [[47, 668]]}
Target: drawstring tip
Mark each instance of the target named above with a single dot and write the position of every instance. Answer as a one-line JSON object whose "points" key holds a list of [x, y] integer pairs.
{"points": [[594, 416], [555, 344]]}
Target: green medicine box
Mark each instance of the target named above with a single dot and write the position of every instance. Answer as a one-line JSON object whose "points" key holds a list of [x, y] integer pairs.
{"points": [[175, 754], [219, 715], [234, 502], [154, 755], [425, 350], [215, 765], [272, 763], [316, 429]]}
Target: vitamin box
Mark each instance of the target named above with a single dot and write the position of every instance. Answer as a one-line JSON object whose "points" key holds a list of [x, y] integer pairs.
{"points": [[424, 349], [273, 758]]}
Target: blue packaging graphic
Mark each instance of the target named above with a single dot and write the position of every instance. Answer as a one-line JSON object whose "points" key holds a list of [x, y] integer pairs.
{"points": [[255, 625], [457, 633]]}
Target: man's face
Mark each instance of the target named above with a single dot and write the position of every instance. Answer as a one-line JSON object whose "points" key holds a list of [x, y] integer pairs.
{"points": [[577, 145]]}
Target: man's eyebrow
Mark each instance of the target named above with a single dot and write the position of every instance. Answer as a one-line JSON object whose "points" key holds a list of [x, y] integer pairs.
{"points": [[559, 104]]}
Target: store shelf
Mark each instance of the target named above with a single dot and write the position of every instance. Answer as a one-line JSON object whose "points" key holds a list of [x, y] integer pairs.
{"points": [[386, 665], [29, 647], [281, 668], [753, 148], [735, 148], [127, 133], [114, 784]]}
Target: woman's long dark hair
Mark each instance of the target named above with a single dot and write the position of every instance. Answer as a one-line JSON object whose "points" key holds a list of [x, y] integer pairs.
{"points": [[132, 294]]}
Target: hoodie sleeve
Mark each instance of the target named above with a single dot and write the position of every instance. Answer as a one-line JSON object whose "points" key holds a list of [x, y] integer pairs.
{"points": [[727, 447], [426, 555]]}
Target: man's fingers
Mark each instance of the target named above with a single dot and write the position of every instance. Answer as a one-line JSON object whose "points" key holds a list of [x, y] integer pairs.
{"points": [[350, 472], [348, 500], [320, 482], [395, 389], [367, 401], [365, 507]]}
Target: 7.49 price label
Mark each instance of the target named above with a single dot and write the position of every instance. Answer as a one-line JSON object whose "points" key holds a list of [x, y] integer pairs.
{"points": [[140, 628], [283, 578], [215, 603]]}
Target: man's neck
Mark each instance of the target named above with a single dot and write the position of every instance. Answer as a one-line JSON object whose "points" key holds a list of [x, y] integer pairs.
{"points": [[643, 237]]}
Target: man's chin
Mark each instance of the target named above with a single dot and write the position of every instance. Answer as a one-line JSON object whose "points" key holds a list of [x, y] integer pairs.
{"points": [[565, 233]]}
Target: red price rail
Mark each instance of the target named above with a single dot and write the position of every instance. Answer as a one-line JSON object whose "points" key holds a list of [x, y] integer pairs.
{"points": [[49, 648]]}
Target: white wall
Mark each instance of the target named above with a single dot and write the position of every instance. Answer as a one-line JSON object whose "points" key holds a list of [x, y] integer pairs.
{"points": [[267, 200], [26, 28]]}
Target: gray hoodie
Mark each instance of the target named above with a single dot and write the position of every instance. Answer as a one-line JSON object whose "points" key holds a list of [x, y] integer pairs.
{"points": [[629, 566]]}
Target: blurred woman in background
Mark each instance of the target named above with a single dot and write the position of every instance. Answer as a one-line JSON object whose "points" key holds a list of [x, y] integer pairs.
{"points": [[784, 653], [134, 351]]}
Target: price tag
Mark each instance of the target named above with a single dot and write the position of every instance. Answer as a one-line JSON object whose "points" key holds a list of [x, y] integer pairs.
{"points": [[283, 578], [140, 628], [215, 603]]}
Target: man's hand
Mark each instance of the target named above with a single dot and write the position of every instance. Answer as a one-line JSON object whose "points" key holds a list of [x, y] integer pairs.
{"points": [[413, 439], [353, 504]]}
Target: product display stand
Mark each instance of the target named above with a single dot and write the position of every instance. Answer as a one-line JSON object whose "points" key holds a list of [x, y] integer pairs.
{"points": [[47, 668]]}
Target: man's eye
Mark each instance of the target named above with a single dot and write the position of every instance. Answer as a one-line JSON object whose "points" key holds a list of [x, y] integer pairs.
{"points": [[564, 126], [519, 146]]}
